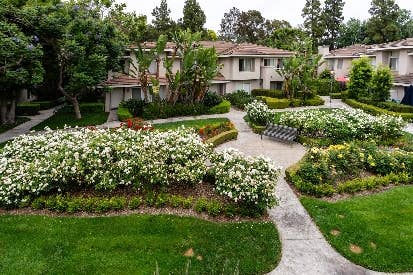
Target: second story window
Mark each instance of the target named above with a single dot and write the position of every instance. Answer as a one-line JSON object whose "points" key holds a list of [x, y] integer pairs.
{"points": [[331, 64], [394, 61], [246, 65], [280, 63], [269, 62]]}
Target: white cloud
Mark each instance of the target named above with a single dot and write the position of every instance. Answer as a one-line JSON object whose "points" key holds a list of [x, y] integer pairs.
{"points": [[270, 9]]}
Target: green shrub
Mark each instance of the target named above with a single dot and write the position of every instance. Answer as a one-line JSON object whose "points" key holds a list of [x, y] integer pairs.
{"points": [[201, 205], [395, 107], [188, 202], [214, 208], [27, 109], [324, 87], [376, 110], [373, 182], [135, 202], [155, 110], [239, 99], [316, 101], [268, 93], [222, 108], [38, 203], [124, 113], [212, 99], [161, 200], [44, 105], [85, 107], [361, 73], [275, 103], [117, 203], [135, 106], [381, 83], [223, 137], [336, 96]]}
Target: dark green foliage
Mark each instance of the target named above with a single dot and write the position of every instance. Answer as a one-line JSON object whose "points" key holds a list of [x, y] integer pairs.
{"points": [[6, 127], [376, 110], [196, 124], [162, 22], [212, 99], [360, 76], [223, 137], [395, 107], [135, 106], [313, 18], [379, 224], [239, 99], [194, 17], [27, 109], [332, 20], [44, 105], [352, 32], [268, 93], [324, 87], [90, 107], [381, 83], [124, 113], [382, 26]]}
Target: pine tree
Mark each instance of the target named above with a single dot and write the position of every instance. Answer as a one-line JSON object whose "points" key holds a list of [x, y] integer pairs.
{"points": [[382, 26], [313, 23], [162, 21], [194, 17], [333, 19], [229, 25]]}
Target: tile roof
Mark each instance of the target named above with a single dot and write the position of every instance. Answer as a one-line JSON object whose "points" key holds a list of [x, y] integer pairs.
{"points": [[408, 42], [229, 48], [219, 77], [404, 79], [356, 50], [123, 80]]}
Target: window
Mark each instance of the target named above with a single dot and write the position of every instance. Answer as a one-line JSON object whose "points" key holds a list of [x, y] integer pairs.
{"points": [[331, 64], [244, 86], [373, 61], [269, 62], [276, 85], [280, 63], [340, 64], [246, 65], [394, 61]]}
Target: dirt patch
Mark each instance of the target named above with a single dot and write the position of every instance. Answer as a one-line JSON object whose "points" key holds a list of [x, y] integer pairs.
{"points": [[189, 253], [335, 232], [340, 197], [356, 249]]}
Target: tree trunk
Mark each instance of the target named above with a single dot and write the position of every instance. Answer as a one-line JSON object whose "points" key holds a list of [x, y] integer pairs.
{"points": [[3, 110], [11, 114], [72, 99]]}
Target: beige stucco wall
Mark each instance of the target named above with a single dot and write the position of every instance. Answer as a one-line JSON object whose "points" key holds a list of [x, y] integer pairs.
{"points": [[116, 96], [269, 74]]}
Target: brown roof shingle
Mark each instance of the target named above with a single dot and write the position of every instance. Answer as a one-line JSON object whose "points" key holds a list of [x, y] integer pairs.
{"points": [[123, 80], [408, 42], [404, 79], [355, 50]]}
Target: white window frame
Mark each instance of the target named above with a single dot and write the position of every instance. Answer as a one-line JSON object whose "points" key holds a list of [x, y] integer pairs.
{"points": [[394, 57], [340, 62], [272, 62], [247, 64]]}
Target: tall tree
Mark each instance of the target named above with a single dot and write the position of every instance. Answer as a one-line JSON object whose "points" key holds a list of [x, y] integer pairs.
{"points": [[405, 23], [20, 67], [332, 18], [313, 23], [162, 21], [251, 27], [194, 17], [352, 32], [286, 38], [383, 24], [229, 25]]}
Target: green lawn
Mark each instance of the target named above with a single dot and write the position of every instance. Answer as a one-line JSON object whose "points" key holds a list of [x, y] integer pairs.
{"points": [[198, 123], [19, 120], [381, 225], [60, 119], [134, 245]]}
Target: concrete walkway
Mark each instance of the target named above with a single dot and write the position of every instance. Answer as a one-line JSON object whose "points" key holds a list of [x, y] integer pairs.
{"points": [[25, 127]]}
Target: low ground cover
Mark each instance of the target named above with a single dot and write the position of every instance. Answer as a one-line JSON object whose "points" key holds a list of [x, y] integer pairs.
{"points": [[19, 120], [136, 244], [92, 114], [197, 123], [374, 231]]}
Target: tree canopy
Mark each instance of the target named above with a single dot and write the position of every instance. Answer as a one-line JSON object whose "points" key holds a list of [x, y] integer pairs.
{"points": [[194, 17]]}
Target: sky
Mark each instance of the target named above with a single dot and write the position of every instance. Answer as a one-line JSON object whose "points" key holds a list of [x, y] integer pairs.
{"points": [[289, 10]]}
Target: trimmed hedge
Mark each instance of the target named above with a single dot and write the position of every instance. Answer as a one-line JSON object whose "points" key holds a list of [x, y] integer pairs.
{"points": [[27, 109], [376, 110], [222, 108], [124, 113], [268, 93], [325, 86], [373, 182], [223, 137], [276, 103], [86, 107], [395, 107], [239, 99]]}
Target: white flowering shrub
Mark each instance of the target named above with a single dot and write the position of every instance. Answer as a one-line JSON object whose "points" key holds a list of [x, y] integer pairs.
{"points": [[250, 180], [258, 112], [343, 124], [102, 159]]}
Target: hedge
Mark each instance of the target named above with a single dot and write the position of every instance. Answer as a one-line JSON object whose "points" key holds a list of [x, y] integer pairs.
{"points": [[396, 107], [222, 108], [326, 86], [44, 105], [124, 113], [268, 93], [276, 103], [373, 182], [95, 107], [27, 109], [376, 110], [223, 137]]}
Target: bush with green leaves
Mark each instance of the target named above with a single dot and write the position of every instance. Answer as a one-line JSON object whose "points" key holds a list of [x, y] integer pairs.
{"points": [[212, 99], [361, 74], [258, 112], [239, 98], [381, 83]]}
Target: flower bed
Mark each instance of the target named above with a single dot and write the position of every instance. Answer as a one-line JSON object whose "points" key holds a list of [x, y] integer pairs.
{"points": [[343, 124], [107, 160], [259, 113], [339, 168]]}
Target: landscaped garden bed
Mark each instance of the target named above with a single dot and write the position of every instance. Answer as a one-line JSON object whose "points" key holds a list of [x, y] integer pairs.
{"points": [[143, 243], [19, 120]]}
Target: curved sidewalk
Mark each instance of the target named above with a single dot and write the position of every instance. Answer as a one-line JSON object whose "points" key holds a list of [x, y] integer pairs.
{"points": [[304, 249]]}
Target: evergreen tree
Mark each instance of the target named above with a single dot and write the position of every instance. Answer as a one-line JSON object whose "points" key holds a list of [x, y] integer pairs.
{"points": [[194, 17], [352, 32], [383, 24], [229, 25], [312, 15], [333, 18], [162, 21]]}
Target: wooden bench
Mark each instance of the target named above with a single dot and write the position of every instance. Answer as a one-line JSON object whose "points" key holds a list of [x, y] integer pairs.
{"points": [[279, 132]]}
